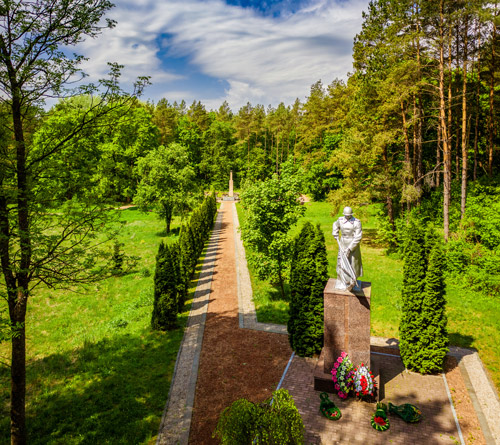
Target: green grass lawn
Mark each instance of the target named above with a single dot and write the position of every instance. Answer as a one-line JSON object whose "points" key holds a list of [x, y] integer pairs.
{"points": [[96, 373], [473, 318]]}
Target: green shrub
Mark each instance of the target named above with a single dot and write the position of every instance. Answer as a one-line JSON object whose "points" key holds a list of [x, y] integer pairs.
{"points": [[308, 277], [117, 259], [433, 340], [273, 422], [165, 304], [176, 263], [412, 292], [422, 329]]}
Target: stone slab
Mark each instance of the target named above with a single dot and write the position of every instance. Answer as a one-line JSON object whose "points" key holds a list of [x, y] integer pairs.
{"points": [[347, 324]]}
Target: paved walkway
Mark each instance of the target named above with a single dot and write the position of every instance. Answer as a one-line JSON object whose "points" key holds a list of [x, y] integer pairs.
{"points": [[176, 420], [175, 424]]}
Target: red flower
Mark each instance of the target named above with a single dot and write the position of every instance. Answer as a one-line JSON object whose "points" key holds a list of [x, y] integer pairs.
{"points": [[379, 420]]}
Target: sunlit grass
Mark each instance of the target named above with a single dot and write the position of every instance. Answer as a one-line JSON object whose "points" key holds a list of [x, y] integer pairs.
{"points": [[473, 318], [96, 373]]}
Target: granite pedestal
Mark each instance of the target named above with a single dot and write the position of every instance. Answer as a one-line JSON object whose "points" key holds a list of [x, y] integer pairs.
{"points": [[346, 328]]}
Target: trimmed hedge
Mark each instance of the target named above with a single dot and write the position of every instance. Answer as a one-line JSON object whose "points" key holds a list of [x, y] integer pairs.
{"points": [[422, 330], [308, 277], [176, 263]]}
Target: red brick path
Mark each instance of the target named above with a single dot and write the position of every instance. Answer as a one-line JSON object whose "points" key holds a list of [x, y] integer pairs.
{"points": [[235, 363]]}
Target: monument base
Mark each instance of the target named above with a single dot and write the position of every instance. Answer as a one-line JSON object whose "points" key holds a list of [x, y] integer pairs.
{"points": [[346, 324], [323, 380]]}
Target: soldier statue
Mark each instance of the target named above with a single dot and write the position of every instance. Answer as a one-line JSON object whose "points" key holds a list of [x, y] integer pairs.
{"points": [[349, 266]]}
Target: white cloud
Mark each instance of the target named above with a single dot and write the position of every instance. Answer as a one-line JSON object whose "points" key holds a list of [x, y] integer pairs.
{"points": [[263, 59]]}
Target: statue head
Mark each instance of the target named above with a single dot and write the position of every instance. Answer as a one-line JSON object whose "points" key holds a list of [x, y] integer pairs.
{"points": [[348, 212]]}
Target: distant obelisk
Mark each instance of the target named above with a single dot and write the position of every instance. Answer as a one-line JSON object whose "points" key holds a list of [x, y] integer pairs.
{"points": [[231, 184]]}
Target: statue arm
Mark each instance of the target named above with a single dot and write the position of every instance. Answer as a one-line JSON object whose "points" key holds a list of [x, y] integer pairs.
{"points": [[336, 229], [358, 234]]}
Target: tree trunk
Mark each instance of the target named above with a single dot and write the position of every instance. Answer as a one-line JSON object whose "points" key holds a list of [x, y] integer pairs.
{"points": [[476, 133], [464, 127], [407, 140], [478, 109], [414, 157], [444, 129], [280, 278], [18, 298], [168, 216], [438, 157], [17, 309], [450, 94], [420, 117], [491, 104]]}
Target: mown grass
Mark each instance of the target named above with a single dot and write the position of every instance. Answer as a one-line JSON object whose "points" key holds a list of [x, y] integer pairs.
{"points": [[96, 372], [473, 318]]}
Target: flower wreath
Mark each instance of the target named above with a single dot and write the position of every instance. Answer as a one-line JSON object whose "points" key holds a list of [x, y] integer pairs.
{"points": [[342, 374], [363, 383]]}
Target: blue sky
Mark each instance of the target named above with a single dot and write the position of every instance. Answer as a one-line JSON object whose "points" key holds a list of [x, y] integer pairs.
{"points": [[263, 52]]}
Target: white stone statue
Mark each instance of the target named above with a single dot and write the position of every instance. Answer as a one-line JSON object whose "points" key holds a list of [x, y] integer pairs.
{"points": [[349, 266]]}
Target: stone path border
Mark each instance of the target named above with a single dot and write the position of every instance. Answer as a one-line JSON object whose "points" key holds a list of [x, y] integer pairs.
{"points": [[176, 420], [247, 314]]}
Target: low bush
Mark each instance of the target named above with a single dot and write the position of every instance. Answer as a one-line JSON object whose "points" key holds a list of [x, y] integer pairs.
{"points": [[274, 422]]}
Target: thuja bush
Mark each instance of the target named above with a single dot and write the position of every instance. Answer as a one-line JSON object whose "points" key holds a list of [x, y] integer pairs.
{"points": [[176, 263], [422, 329], [308, 277], [433, 340], [273, 422], [165, 304]]}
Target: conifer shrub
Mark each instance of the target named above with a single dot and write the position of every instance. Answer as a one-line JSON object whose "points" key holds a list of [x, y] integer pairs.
{"points": [[422, 329], [412, 292], [165, 304], [117, 258], [308, 277], [276, 421], [186, 257], [434, 335], [176, 263]]}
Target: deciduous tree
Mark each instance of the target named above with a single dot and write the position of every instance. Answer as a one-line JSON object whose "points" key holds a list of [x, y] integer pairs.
{"points": [[273, 207], [167, 182], [36, 248]]}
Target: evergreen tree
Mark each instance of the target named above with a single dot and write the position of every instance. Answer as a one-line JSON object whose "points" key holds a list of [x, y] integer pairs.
{"points": [[308, 277], [181, 287], [422, 330], [412, 292], [165, 303], [186, 256], [434, 335]]}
